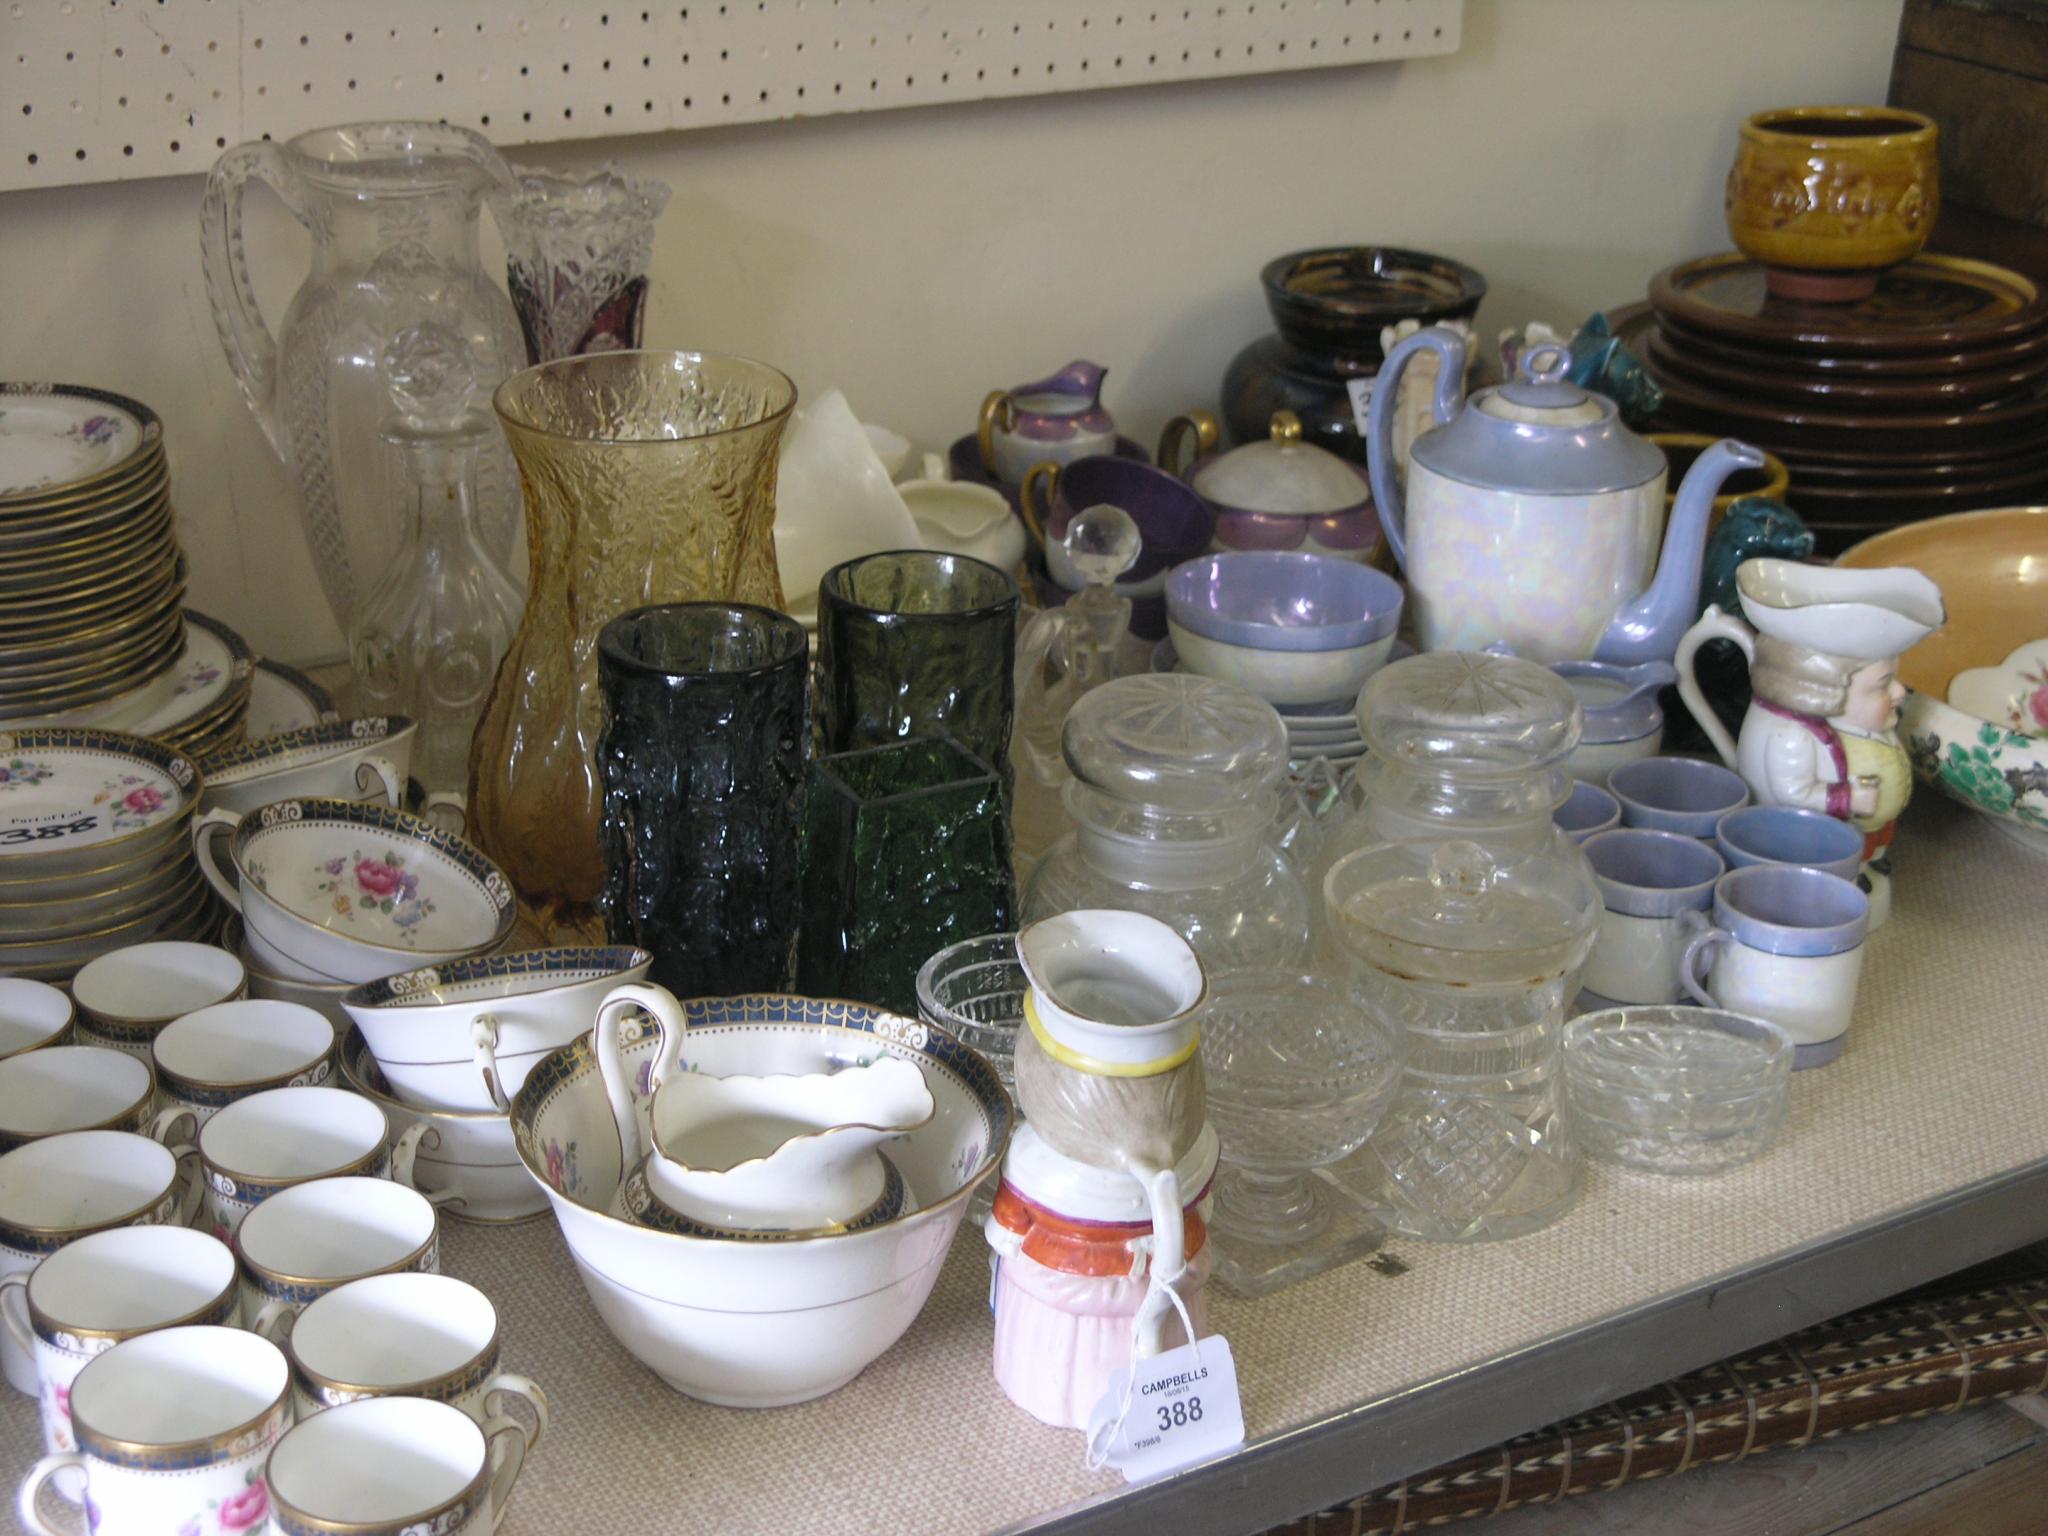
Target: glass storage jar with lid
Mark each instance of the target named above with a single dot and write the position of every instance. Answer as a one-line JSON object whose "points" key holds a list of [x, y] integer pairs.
{"points": [[1176, 780], [1471, 916]]}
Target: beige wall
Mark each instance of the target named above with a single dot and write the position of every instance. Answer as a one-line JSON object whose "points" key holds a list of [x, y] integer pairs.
{"points": [[919, 258]]}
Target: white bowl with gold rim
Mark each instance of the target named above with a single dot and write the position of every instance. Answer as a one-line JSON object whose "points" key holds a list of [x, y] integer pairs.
{"points": [[752, 1324]]}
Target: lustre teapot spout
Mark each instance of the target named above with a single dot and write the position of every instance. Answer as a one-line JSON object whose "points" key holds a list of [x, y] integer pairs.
{"points": [[1534, 518]]}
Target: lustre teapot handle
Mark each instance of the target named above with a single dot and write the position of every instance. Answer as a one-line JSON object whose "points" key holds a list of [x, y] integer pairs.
{"points": [[224, 260], [618, 1086], [1712, 625], [1449, 347], [1192, 423], [998, 414]]}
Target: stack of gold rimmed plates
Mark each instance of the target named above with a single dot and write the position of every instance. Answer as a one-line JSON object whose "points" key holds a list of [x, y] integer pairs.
{"points": [[94, 849], [208, 707], [90, 575]]}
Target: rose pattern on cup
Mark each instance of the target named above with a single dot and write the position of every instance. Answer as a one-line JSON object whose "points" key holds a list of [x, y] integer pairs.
{"points": [[244, 1511], [373, 884], [18, 772]]}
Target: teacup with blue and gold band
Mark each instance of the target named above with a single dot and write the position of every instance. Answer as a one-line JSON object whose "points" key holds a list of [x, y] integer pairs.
{"points": [[316, 1237], [284, 1136], [92, 1294], [407, 1335], [207, 1060], [76, 1088], [436, 1471], [46, 1202], [173, 1429]]}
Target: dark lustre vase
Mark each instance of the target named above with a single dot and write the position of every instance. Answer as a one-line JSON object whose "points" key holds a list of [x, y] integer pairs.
{"points": [[702, 768], [1329, 307], [906, 850], [917, 643]]}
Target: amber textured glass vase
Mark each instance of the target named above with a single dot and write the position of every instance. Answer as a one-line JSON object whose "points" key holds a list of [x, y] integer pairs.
{"points": [[649, 478]]}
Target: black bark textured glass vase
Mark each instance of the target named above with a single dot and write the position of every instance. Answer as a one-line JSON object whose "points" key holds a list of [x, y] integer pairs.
{"points": [[917, 643], [702, 761], [906, 849]]}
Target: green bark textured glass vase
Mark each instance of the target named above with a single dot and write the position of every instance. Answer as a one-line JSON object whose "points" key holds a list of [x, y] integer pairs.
{"points": [[702, 760], [906, 849]]}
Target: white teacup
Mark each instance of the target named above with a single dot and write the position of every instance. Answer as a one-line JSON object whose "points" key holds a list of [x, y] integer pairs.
{"points": [[284, 1136], [394, 1466], [1785, 944], [33, 1014], [79, 1088], [360, 759], [427, 1336], [58, 1189], [313, 1238], [85, 1298], [173, 1428], [209, 1059], [126, 995]]}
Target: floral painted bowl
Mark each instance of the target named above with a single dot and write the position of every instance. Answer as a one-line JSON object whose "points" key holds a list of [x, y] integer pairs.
{"points": [[468, 1166], [356, 891], [1979, 739], [464, 1036], [751, 1324]]}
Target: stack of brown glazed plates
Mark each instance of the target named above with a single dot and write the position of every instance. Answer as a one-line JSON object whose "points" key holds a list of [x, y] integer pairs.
{"points": [[91, 581], [1929, 396]]}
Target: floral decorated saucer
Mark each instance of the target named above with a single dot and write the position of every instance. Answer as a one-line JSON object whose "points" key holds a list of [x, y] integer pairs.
{"points": [[215, 662], [62, 436], [281, 698], [80, 799], [2013, 694]]}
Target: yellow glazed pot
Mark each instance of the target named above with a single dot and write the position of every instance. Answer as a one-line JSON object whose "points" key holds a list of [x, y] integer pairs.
{"points": [[1827, 197]]}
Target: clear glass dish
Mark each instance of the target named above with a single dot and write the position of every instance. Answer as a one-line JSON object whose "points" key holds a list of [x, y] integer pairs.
{"points": [[1676, 1090]]}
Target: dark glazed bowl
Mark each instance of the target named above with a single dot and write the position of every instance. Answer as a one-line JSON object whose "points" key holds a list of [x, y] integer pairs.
{"points": [[1338, 298]]}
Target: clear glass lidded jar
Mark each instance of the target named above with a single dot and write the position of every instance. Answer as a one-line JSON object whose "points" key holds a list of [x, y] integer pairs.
{"points": [[1470, 916], [1175, 786]]}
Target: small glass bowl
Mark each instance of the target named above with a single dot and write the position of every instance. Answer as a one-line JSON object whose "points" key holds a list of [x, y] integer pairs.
{"points": [[975, 989], [1676, 1090]]}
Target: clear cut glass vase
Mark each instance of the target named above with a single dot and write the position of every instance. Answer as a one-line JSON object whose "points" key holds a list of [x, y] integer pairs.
{"points": [[393, 209], [649, 478]]}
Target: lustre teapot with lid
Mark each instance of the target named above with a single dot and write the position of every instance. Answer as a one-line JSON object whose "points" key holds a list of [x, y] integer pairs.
{"points": [[1534, 518]]}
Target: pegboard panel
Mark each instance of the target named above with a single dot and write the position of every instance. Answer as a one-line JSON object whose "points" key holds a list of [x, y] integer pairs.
{"points": [[106, 90]]}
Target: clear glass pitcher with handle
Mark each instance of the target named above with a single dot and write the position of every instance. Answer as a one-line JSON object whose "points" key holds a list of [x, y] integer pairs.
{"points": [[393, 211]]}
